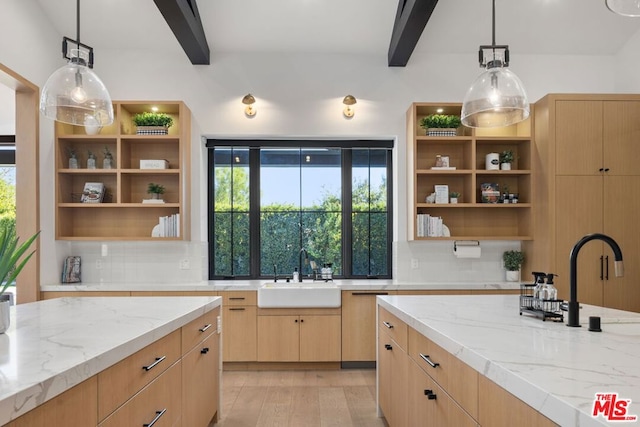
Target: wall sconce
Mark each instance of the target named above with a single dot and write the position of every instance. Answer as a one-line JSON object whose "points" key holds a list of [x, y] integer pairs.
{"points": [[249, 100], [349, 101]]}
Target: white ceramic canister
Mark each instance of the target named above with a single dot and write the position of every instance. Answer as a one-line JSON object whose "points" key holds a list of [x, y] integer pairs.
{"points": [[492, 161]]}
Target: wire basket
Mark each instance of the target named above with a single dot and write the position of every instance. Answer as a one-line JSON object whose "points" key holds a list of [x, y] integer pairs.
{"points": [[542, 308]]}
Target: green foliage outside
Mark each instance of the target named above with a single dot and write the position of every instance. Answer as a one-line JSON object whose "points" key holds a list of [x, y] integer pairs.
{"points": [[7, 203], [284, 230]]}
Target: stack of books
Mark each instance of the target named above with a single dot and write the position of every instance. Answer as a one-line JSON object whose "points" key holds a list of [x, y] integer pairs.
{"points": [[169, 226], [430, 226]]}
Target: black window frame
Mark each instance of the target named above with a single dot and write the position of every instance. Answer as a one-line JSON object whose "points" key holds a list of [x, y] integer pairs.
{"points": [[254, 145]]}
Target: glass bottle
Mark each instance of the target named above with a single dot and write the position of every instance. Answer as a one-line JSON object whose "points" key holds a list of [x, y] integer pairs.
{"points": [[91, 161], [107, 163], [73, 161]]}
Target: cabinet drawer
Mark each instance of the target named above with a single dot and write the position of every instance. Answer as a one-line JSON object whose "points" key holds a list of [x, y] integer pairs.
{"points": [[162, 399], [394, 327], [239, 298], [199, 329], [456, 377], [121, 381]]}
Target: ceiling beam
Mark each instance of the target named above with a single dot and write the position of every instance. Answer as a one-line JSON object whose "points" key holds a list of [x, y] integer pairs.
{"points": [[184, 20], [411, 18]]}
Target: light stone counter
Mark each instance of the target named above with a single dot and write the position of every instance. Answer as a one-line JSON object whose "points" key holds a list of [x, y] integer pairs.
{"points": [[555, 369], [54, 345], [247, 285]]}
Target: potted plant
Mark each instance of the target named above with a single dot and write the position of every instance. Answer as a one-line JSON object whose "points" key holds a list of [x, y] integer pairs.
{"points": [[152, 123], [506, 158], [155, 190], [454, 195], [10, 265], [513, 260], [441, 124]]}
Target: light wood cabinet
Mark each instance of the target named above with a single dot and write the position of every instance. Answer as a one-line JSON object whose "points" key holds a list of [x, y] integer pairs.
{"points": [[240, 324], [499, 408], [122, 215], [469, 218], [200, 371], [75, 407], [359, 325], [285, 336], [161, 400], [588, 182], [393, 374]]}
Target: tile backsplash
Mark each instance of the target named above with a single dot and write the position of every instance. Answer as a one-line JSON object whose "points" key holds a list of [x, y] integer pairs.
{"points": [[186, 262]]}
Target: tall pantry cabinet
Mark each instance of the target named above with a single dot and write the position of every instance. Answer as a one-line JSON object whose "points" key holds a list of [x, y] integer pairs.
{"points": [[588, 181]]}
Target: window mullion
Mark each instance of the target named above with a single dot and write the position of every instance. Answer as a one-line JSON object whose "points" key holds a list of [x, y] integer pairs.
{"points": [[254, 211], [347, 213]]}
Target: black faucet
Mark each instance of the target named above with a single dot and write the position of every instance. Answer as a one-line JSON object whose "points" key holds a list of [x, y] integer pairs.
{"points": [[306, 262], [574, 307]]}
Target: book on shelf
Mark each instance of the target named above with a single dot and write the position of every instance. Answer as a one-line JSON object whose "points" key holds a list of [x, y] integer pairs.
{"points": [[442, 193], [168, 226], [443, 168], [93, 192], [153, 201]]}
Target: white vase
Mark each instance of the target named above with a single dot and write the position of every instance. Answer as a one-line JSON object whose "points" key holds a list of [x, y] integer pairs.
{"points": [[505, 166], [454, 200], [91, 125], [5, 320], [492, 161], [513, 276]]}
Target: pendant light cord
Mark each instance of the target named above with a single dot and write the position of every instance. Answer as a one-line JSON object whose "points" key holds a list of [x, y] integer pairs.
{"points": [[78, 23], [493, 23]]}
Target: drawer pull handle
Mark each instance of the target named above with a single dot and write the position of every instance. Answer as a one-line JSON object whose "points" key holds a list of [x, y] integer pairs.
{"points": [[158, 415], [237, 298], [236, 309], [430, 395], [205, 350], [153, 365], [388, 347], [356, 294], [426, 359], [388, 325], [205, 327]]}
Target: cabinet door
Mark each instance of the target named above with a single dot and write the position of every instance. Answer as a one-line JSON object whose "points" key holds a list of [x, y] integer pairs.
{"points": [[621, 135], [579, 212], [200, 370], [383, 366], [622, 210], [578, 128], [320, 338], [278, 338], [359, 326], [240, 334], [75, 407]]}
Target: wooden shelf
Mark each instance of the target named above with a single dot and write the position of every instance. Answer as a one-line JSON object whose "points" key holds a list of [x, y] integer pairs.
{"points": [[470, 219], [122, 215]]}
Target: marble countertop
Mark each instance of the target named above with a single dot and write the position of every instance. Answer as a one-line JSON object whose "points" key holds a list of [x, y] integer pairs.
{"points": [[56, 344], [248, 285], [554, 368]]}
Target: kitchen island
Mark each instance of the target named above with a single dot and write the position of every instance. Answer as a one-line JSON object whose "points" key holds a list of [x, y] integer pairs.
{"points": [[554, 369], [54, 346]]}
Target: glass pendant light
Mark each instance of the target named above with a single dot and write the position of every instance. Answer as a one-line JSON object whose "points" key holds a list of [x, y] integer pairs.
{"points": [[624, 7], [497, 97], [74, 94]]}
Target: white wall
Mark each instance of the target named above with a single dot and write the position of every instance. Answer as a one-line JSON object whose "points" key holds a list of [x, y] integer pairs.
{"points": [[297, 95]]}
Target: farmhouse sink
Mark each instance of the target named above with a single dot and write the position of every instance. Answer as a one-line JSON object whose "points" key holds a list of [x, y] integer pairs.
{"points": [[299, 295]]}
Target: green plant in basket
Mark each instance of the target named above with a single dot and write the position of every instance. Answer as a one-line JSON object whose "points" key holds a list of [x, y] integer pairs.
{"points": [[440, 121], [513, 260], [153, 119]]}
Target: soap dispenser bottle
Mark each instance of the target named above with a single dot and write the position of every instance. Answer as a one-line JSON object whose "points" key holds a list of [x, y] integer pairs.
{"points": [[539, 282], [296, 274], [551, 293]]}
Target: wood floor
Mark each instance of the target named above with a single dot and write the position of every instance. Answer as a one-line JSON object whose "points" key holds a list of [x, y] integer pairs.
{"points": [[341, 398]]}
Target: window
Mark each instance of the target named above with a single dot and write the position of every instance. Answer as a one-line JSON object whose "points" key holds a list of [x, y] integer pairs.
{"points": [[279, 205]]}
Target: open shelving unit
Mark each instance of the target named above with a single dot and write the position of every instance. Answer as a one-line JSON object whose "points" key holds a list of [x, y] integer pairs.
{"points": [[122, 215], [470, 218]]}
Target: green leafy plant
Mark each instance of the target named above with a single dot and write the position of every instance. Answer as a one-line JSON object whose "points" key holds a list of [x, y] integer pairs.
{"points": [[454, 195], [513, 260], [506, 156], [153, 119], [71, 152], [155, 188], [107, 152], [10, 253], [442, 121]]}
